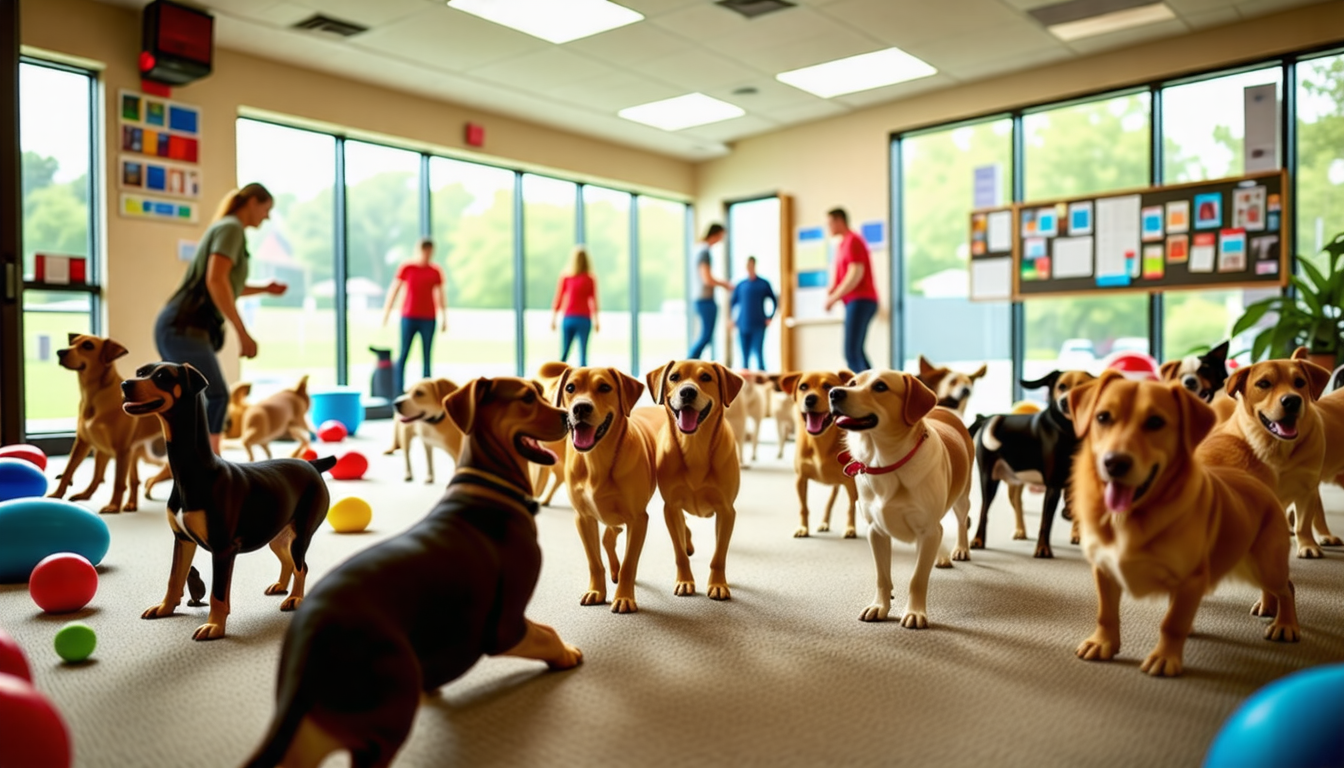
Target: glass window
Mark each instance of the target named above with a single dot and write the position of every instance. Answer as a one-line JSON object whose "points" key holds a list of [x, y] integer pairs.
{"points": [[1320, 154], [472, 214], [295, 333], [1096, 146], [753, 231], [663, 250], [937, 197], [51, 393], [606, 217], [548, 241]]}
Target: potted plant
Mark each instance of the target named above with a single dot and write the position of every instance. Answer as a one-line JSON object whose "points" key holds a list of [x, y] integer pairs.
{"points": [[1310, 318]]}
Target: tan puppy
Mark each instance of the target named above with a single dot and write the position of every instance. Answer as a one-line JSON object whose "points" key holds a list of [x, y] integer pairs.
{"points": [[610, 475], [912, 462], [786, 420], [818, 444], [550, 474], [1159, 516], [1331, 409], [698, 470], [283, 413], [751, 405], [104, 428], [952, 388], [1276, 415], [420, 413]]}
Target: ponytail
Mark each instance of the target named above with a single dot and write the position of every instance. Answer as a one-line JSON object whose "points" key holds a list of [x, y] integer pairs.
{"points": [[236, 199]]}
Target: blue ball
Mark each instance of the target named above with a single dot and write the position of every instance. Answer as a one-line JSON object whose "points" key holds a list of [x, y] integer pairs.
{"points": [[31, 529], [1298, 720], [19, 479]]}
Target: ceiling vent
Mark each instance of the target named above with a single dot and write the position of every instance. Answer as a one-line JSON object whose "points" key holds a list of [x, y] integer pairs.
{"points": [[754, 8], [328, 26]]}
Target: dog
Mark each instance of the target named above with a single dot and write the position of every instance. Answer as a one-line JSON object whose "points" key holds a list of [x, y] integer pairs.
{"points": [[406, 616], [1331, 408], [819, 443], [610, 473], [420, 413], [911, 461], [1205, 374], [952, 387], [1029, 449], [1276, 414], [551, 475], [104, 428], [1160, 516], [697, 461], [223, 507], [752, 404], [786, 424], [283, 414]]}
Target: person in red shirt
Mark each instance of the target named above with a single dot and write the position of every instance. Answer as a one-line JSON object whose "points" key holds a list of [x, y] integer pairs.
{"points": [[423, 281], [854, 286], [576, 299]]}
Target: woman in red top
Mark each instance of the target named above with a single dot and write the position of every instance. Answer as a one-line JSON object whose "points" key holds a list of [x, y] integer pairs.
{"points": [[576, 299], [424, 302], [855, 287]]}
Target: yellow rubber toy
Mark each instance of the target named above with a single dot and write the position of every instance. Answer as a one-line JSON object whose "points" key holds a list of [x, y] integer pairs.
{"points": [[350, 515]]}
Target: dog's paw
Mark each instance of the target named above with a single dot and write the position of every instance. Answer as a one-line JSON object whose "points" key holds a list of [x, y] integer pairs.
{"points": [[1044, 551], [624, 605], [1263, 609], [1283, 633], [803, 533], [942, 562], [409, 479], [824, 526], [1097, 648], [158, 611], [851, 533], [979, 543], [961, 555], [208, 631], [130, 506], [593, 597], [719, 592], [81, 497], [875, 612], [1020, 534], [1331, 541], [291, 603], [278, 588], [1162, 664], [684, 589], [110, 509], [571, 658], [915, 620], [1073, 538], [1310, 551]]}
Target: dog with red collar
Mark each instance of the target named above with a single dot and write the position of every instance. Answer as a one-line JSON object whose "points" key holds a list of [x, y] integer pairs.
{"points": [[911, 461]]}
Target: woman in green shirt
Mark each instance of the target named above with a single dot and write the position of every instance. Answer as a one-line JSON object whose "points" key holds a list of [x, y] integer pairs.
{"points": [[190, 329]]}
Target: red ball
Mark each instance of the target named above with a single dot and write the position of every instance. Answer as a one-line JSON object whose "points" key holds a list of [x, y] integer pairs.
{"points": [[351, 466], [1134, 365], [308, 455], [12, 660], [45, 742], [332, 431], [63, 582], [29, 453]]}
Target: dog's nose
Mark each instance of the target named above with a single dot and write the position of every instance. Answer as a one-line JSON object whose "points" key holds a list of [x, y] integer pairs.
{"points": [[1291, 403], [1117, 464], [1191, 383], [126, 387], [61, 353], [582, 410], [686, 394], [810, 401], [837, 395]]}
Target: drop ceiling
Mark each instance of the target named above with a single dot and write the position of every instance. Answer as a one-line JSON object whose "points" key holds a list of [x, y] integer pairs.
{"points": [[425, 47]]}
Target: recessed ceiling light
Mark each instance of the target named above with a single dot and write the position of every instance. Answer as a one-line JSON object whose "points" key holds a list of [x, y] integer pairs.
{"points": [[857, 73], [682, 112], [1111, 22], [556, 21]]}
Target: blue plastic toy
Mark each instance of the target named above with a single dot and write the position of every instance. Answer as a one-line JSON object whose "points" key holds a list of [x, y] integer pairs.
{"points": [[31, 529], [343, 405], [1298, 720], [19, 479]]}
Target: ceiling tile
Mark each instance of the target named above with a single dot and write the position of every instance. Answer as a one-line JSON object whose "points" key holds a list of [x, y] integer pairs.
{"points": [[837, 44], [367, 13], [1127, 37], [449, 39], [1214, 18], [731, 130], [1026, 5], [542, 71], [919, 22], [806, 112], [1001, 66], [696, 70], [1197, 6], [968, 49], [898, 91], [631, 44], [703, 21], [652, 8], [615, 91], [280, 14], [1262, 7], [770, 94]]}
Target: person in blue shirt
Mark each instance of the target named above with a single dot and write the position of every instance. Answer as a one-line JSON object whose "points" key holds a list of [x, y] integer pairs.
{"points": [[749, 298]]}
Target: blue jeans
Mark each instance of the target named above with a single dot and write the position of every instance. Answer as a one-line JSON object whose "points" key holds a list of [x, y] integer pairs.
{"points": [[192, 346], [709, 315], [858, 314], [753, 343], [410, 328], [571, 328]]}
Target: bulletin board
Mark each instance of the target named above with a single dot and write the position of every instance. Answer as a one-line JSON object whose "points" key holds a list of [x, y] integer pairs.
{"points": [[992, 254], [158, 168]]}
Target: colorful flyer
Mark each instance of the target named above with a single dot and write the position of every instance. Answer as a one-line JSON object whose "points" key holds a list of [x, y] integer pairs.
{"points": [[1203, 251], [979, 234], [1178, 216], [1267, 268], [1151, 217], [1232, 250], [1034, 248], [1209, 210], [1248, 209], [1154, 268], [1178, 249], [1274, 204], [1047, 222], [1265, 247], [1080, 218], [1029, 223]]}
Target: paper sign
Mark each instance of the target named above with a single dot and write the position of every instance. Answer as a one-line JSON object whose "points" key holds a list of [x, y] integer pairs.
{"points": [[1153, 266], [988, 186], [1232, 250], [992, 279], [1261, 128], [874, 234], [1203, 252], [1248, 209], [1209, 210], [1073, 257], [1178, 249], [1265, 247], [1080, 218], [1152, 223], [1267, 268], [1117, 239], [1000, 231], [1178, 216], [1047, 223]]}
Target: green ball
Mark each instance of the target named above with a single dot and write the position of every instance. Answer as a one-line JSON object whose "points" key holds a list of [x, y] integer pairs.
{"points": [[75, 641]]}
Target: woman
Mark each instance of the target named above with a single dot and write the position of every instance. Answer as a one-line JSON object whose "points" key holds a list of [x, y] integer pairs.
{"points": [[424, 304], [705, 306], [190, 329], [576, 298]]}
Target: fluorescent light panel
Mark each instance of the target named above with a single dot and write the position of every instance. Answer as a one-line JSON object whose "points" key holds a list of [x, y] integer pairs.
{"points": [[1111, 22], [556, 21], [682, 112], [857, 73]]}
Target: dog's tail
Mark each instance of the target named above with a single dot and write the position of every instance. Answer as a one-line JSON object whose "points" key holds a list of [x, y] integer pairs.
{"points": [[323, 464], [980, 421]]}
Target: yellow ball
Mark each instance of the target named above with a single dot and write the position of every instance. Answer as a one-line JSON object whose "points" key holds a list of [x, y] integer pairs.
{"points": [[1025, 407], [350, 515]]}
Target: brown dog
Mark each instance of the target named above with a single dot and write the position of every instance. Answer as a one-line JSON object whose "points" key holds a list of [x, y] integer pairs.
{"points": [[1331, 409], [284, 413], [104, 428], [753, 403], [420, 413], [1159, 516], [952, 388], [698, 471], [819, 442], [610, 474], [552, 475], [1276, 415]]}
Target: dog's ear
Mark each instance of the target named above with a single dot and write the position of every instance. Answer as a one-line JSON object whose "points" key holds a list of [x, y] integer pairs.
{"points": [[301, 388], [729, 385], [444, 388], [979, 372], [919, 399], [1197, 418], [1168, 370], [1047, 381], [1317, 377], [1301, 353], [846, 376], [111, 351], [552, 369], [1082, 403], [789, 382], [240, 392], [925, 367], [1218, 354], [196, 381], [630, 390], [462, 403], [657, 381], [560, 387], [1236, 383], [70, 338]]}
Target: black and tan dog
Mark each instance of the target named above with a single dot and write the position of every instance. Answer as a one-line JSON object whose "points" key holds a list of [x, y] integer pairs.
{"points": [[415, 612], [223, 507]]}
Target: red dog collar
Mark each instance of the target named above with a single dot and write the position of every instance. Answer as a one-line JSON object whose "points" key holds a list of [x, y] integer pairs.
{"points": [[855, 468]]}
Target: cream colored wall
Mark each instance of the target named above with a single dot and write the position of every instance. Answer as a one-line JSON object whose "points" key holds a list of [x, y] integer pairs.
{"points": [[142, 266], [844, 161]]}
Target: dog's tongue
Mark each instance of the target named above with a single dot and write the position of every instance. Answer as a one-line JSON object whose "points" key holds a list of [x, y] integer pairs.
{"points": [[688, 419], [585, 435], [816, 421], [1285, 430], [1119, 497]]}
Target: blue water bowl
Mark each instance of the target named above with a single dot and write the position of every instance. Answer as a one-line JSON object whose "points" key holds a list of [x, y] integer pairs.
{"points": [[343, 405]]}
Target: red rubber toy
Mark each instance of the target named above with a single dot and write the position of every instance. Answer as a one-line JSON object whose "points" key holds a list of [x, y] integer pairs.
{"points": [[29, 453], [63, 582], [351, 466], [24, 710], [332, 431], [12, 660], [308, 455]]}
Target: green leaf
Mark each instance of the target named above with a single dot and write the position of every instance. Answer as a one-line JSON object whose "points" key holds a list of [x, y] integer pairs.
{"points": [[1308, 296], [1315, 274], [1253, 314]]}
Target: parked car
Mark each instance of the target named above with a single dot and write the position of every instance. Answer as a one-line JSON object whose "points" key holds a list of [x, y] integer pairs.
{"points": [[1077, 354], [1130, 344]]}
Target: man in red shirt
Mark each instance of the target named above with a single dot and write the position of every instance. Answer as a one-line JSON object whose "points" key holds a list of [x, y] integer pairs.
{"points": [[854, 286]]}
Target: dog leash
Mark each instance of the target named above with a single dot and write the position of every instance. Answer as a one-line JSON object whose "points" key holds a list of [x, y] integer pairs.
{"points": [[469, 476], [855, 468]]}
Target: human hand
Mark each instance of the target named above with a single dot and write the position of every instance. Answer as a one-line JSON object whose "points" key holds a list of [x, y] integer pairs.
{"points": [[768, 320], [443, 326], [553, 325], [597, 327], [247, 346], [830, 302], [276, 288]]}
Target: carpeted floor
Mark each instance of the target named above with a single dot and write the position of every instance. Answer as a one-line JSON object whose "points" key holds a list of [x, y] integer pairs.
{"points": [[782, 675]]}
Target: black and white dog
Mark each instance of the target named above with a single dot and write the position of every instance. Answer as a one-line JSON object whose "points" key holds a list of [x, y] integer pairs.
{"points": [[1204, 374]]}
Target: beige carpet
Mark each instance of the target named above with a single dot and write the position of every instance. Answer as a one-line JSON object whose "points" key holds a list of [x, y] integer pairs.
{"points": [[783, 675]]}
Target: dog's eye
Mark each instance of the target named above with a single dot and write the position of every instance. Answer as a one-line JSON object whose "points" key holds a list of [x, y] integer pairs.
{"points": [[530, 397], [1299, 383], [1063, 388], [1104, 417], [802, 387], [674, 377], [1263, 384], [705, 377], [827, 387], [1154, 423], [86, 345], [880, 386], [569, 388], [604, 388]]}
